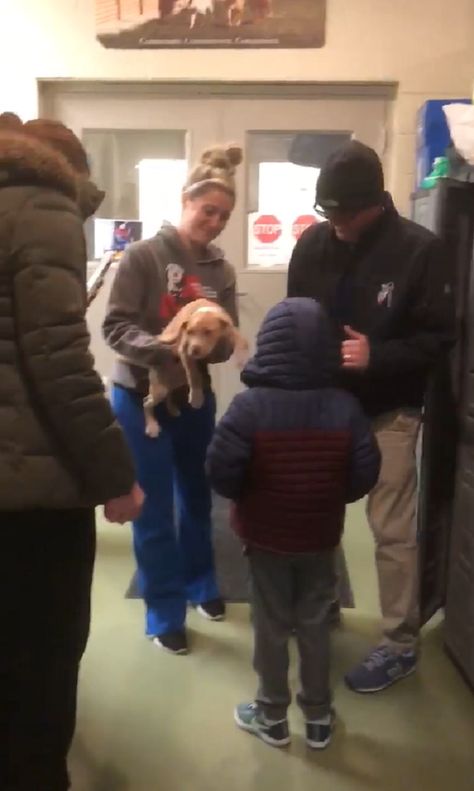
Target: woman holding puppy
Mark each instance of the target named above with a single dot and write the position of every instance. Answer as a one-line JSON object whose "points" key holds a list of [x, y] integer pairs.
{"points": [[155, 279]]}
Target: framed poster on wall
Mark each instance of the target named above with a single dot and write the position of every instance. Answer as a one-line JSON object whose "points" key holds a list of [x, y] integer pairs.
{"points": [[184, 24]]}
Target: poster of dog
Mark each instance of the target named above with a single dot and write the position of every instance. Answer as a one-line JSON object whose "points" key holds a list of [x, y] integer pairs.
{"points": [[181, 24]]}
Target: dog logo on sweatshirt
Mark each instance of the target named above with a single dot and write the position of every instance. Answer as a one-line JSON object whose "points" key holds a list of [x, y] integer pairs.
{"points": [[385, 295], [180, 289], [174, 277]]}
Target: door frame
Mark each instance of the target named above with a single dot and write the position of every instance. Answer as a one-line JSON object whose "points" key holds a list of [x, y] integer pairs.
{"points": [[55, 94], [49, 89]]}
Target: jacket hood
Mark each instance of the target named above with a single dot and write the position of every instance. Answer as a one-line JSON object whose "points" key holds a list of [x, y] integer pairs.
{"points": [[296, 348], [89, 197], [25, 161]]}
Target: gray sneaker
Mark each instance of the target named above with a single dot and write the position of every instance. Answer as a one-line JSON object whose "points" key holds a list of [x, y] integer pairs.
{"points": [[380, 670]]}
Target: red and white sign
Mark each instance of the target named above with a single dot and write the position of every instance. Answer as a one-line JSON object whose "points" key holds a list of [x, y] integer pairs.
{"points": [[272, 236], [301, 223], [267, 228]]}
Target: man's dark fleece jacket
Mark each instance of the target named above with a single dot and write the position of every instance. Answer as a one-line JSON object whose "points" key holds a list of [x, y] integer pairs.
{"points": [[394, 286]]}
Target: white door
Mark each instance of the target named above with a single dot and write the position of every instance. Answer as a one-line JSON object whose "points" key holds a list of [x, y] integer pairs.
{"points": [[271, 187], [124, 128], [140, 148]]}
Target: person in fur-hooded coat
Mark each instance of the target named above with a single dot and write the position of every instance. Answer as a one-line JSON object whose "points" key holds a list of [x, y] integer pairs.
{"points": [[61, 453]]}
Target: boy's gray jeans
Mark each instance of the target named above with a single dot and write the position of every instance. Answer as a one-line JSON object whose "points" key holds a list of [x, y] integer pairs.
{"points": [[292, 592]]}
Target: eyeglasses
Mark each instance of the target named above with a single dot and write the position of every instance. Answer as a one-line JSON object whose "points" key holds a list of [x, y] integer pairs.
{"points": [[336, 214]]}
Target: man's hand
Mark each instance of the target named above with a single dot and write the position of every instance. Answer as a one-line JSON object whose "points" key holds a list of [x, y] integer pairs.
{"points": [[125, 508], [355, 351]]}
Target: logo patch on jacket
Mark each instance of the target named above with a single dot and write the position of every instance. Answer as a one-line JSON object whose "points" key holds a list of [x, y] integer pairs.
{"points": [[181, 288], [384, 297]]}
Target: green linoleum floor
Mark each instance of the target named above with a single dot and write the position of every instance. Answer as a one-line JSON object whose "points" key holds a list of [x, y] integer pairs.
{"points": [[153, 722]]}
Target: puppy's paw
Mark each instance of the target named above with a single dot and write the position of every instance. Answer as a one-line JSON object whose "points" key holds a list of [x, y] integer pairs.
{"points": [[152, 429], [196, 398], [240, 358], [241, 351]]}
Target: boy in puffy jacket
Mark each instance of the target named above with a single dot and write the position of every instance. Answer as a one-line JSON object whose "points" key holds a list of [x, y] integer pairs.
{"points": [[291, 451]]}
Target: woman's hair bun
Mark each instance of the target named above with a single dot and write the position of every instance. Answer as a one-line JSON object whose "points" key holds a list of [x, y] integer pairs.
{"points": [[216, 166], [235, 154], [222, 157]]}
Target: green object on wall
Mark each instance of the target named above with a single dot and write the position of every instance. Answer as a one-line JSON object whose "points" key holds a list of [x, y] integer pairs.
{"points": [[440, 171]]}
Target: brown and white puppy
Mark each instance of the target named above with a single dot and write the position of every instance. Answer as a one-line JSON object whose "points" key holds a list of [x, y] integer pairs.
{"points": [[193, 335]]}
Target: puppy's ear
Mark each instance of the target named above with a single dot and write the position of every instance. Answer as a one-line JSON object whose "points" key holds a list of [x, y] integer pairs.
{"points": [[172, 334], [226, 323]]}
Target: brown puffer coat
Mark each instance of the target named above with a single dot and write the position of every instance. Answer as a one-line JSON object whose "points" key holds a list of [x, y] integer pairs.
{"points": [[60, 446]]}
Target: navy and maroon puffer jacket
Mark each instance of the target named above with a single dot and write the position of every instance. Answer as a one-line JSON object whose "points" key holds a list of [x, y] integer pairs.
{"points": [[292, 450]]}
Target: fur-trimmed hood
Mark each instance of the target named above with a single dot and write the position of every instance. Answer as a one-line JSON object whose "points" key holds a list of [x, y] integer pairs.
{"points": [[26, 161], [70, 452], [89, 197]]}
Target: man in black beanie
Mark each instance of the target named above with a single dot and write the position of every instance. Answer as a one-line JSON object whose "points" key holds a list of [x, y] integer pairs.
{"points": [[385, 283]]}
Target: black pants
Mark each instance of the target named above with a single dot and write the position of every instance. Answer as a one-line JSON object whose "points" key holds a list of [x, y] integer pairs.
{"points": [[46, 565]]}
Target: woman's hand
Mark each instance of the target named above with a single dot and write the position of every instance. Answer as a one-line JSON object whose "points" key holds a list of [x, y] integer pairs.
{"points": [[172, 372]]}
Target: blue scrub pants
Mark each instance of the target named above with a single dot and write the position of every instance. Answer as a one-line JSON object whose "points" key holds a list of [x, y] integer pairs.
{"points": [[174, 557]]}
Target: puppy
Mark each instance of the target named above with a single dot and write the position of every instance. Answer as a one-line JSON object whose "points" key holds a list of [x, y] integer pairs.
{"points": [[192, 334]]}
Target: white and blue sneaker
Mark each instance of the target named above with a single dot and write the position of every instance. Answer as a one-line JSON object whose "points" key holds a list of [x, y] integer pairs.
{"points": [[381, 669], [250, 718]]}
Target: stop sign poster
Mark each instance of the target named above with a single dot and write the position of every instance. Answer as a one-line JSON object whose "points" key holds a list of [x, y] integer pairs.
{"points": [[265, 240], [272, 236], [267, 228], [301, 223]]}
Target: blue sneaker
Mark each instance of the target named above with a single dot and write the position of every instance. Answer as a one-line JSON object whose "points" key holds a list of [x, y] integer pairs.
{"points": [[250, 718], [380, 670]]}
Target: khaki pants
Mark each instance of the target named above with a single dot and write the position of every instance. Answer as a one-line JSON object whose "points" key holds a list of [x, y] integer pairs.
{"points": [[391, 511]]}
